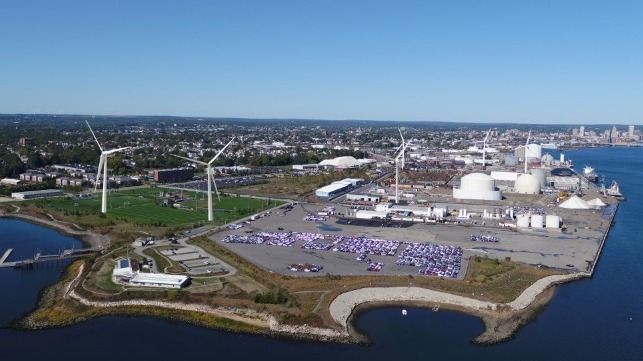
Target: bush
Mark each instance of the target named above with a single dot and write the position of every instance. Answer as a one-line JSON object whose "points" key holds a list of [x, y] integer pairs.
{"points": [[274, 296]]}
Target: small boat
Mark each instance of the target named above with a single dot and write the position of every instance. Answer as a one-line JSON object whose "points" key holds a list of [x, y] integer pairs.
{"points": [[404, 313]]}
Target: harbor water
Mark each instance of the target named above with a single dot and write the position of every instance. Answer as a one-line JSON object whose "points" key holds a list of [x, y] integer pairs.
{"points": [[592, 319]]}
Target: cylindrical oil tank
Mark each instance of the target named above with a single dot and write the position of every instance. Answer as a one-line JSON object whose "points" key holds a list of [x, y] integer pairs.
{"points": [[552, 221], [534, 151], [537, 221], [522, 221]]}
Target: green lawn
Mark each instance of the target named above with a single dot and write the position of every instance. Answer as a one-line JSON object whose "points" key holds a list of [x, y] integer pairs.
{"points": [[144, 206]]}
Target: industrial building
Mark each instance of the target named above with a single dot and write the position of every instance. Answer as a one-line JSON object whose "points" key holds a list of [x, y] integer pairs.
{"points": [[172, 175], [334, 189], [478, 186], [363, 197], [37, 194]]}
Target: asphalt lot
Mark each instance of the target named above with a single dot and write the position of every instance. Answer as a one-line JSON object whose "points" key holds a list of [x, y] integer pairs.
{"points": [[550, 248]]}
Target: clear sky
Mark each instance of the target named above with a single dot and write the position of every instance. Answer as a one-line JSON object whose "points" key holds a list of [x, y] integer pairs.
{"points": [[482, 61]]}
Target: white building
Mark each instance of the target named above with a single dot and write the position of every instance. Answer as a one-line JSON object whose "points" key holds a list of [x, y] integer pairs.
{"points": [[124, 272]]}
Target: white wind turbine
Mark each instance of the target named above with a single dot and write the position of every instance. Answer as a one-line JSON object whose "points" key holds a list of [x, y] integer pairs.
{"points": [[484, 149], [210, 178], [399, 163], [527, 149], [102, 164]]}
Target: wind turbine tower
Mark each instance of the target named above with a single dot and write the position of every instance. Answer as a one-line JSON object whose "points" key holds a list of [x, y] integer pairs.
{"points": [[527, 149], [102, 165], [399, 163], [211, 181], [484, 150]]}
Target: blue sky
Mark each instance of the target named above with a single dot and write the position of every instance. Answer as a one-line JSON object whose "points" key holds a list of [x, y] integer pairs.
{"points": [[481, 61]]}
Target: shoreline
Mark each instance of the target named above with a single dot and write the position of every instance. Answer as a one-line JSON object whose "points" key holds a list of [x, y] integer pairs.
{"points": [[501, 321]]}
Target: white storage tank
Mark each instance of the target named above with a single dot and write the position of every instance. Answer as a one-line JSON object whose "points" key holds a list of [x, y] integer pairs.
{"points": [[477, 186], [527, 184], [552, 221], [537, 221], [522, 221], [534, 151]]}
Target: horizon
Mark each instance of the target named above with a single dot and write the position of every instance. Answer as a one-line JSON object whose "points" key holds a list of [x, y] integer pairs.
{"points": [[215, 118], [467, 62]]}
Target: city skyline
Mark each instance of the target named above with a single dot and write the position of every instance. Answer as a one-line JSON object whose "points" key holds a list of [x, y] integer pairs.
{"points": [[498, 62]]}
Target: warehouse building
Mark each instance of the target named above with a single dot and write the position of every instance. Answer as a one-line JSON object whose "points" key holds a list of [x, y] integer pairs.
{"points": [[37, 194], [173, 175]]}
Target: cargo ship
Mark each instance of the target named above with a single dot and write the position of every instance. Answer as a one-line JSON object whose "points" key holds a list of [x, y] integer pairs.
{"points": [[590, 174]]}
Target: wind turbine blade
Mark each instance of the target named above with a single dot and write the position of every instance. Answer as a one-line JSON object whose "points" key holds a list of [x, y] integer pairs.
{"points": [[191, 160], [216, 190], [221, 151], [401, 136], [101, 164], [94, 135], [115, 150]]}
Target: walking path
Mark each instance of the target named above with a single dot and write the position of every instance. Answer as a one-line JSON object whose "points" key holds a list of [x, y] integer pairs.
{"points": [[247, 316]]}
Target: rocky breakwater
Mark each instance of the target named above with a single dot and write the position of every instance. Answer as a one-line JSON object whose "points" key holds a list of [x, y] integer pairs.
{"points": [[501, 320]]}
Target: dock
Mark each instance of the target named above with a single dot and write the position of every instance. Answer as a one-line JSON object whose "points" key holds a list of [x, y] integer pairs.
{"points": [[39, 258], [6, 255]]}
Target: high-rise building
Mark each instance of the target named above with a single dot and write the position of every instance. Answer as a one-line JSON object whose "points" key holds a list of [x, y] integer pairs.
{"points": [[581, 131], [630, 131], [575, 132]]}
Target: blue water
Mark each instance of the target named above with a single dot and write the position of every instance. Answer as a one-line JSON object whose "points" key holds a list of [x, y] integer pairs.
{"points": [[586, 320]]}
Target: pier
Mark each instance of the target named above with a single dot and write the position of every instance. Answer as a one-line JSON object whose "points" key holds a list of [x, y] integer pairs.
{"points": [[6, 255], [40, 258]]}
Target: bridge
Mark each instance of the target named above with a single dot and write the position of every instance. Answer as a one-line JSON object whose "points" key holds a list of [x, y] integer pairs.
{"points": [[40, 258]]}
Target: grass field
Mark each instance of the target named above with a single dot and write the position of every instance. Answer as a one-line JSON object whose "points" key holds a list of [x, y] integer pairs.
{"points": [[144, 206]]}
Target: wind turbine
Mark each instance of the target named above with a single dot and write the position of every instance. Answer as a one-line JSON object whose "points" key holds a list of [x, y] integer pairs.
{"points": [[102, 164], [210, 177], [527, 149], [399, 163], [484, 149]]}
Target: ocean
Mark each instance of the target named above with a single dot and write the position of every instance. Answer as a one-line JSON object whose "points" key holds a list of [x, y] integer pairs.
{"points": [[592, 319]]}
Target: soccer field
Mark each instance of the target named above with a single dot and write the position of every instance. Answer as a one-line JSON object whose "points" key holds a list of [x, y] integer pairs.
{"points": [[153, 206]]}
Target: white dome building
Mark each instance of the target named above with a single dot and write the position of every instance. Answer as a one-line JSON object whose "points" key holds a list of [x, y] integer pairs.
{"points": [[477, 186], [527, 184], [341, 162]]}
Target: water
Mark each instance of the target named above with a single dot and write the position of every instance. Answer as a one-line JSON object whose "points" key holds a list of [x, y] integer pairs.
{"points": [[21, 287], [588, 319]]}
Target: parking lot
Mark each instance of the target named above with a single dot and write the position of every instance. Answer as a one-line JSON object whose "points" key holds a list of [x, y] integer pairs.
{"points": [[549, 248]]}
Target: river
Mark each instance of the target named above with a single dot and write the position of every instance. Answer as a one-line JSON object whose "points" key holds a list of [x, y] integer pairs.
{"points": [[592, 319]]}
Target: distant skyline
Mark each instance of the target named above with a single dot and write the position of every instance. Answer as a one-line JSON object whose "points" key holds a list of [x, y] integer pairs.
{"points": [[569, 62]]}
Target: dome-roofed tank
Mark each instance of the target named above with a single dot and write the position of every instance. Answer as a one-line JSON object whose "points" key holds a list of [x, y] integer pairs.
{"points": [[547, 160], [477, 182], [477, 186], [527, 184]]}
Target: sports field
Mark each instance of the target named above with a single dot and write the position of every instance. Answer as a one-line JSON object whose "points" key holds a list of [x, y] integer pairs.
{"points": [[155, 206]]}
